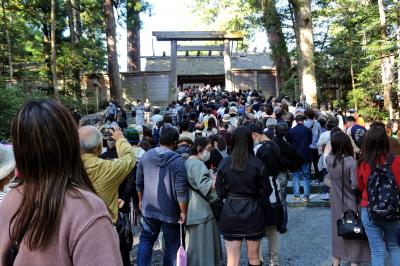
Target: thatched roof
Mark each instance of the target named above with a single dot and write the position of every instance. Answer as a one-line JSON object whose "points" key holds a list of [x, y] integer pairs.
{"points": [[210, 65]]}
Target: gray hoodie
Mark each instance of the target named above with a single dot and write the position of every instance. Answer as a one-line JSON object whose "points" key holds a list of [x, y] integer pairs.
{"points": [[161, 177]]}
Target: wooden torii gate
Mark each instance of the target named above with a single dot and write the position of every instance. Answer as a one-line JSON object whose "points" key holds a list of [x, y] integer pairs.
{"points": [[175, 36]]}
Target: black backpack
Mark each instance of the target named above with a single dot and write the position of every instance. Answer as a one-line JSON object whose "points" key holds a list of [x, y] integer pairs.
{"points": [[383, 193]]}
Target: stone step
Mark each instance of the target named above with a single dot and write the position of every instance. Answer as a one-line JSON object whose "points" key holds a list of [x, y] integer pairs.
{"points": [[315, 201], [314, 189]]}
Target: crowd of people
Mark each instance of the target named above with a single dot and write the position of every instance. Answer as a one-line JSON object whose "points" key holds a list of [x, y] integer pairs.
{"points": [[215, 163]]}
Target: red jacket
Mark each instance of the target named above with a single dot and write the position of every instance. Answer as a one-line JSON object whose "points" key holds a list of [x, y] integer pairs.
{"points": [[364, 171]]}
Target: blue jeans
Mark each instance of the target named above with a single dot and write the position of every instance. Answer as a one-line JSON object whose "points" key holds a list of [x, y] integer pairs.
{"points": [[150, 230], [380, 236], [304, 173]]}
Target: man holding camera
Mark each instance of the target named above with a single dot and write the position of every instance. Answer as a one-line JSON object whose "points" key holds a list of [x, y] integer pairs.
{"points": [[106, 175]]}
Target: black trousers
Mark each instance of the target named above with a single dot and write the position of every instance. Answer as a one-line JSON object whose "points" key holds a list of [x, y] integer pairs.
{"points": [[125, 246], [315, 159]]}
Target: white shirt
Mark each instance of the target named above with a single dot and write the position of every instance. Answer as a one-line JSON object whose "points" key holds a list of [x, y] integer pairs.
{"points": [[221, 111], [156, 118], [324, 142], [181, 95], [138, 152]]}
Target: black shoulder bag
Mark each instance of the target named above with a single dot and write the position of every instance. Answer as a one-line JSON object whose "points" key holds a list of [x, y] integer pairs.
{"points": [[216, 206], [350, 225]]}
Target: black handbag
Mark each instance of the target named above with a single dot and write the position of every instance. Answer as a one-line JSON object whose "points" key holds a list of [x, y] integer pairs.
{"points": [[216, 206], [350, 225]]}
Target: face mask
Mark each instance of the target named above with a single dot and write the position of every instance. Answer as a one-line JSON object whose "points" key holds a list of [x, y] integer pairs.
{"points": [[204, 156]]}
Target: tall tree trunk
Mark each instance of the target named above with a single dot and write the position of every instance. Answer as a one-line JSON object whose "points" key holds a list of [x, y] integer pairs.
{"points": [[387, 63], [133, 34], [353, 83], [297, 89], [71, 22], [305, 47], [276, 39], [74, 42], [53, 47], [8, 40], [45, 11], [77, 16], [113, 68]]}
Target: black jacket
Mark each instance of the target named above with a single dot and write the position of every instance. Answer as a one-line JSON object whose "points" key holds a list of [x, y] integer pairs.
{"points": [[245, 195], [215, 159], [270, 154], [292, 158]]}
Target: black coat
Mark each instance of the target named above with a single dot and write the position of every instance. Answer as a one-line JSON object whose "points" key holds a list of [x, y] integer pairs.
{"points": [[215, 159], [244, 192], [293, 159], [270, 154]]}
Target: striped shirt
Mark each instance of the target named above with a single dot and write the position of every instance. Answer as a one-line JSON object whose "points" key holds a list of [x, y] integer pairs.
{"points": [[2, 195]]}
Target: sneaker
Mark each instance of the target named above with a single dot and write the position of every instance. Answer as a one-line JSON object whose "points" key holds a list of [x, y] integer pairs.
{"points": [[283, 229], [306, 199], [296, 198], [325, 196]]}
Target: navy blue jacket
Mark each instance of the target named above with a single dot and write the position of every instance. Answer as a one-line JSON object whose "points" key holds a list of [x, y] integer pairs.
{"points": [[301, 137], [162, 178]]}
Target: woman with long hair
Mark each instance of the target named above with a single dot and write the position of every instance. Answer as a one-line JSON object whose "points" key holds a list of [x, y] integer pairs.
{"points": [[381, 235], [52, 216], [241, 181], [211, 128], [202, 236], [341, 167]]}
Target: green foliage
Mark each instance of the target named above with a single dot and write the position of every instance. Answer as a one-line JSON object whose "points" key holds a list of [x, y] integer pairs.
{"points": [[338, 104], [289, 88], [29, 30], [371, 113], [363, 100], [230, 15], [358, 98], [10, 101], [353, 40]]}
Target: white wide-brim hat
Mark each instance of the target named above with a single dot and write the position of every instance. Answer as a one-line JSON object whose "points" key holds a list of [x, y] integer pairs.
{"points": [[7, 161]]}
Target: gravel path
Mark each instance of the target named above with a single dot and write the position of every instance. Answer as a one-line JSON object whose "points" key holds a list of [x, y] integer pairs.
{"points": [[307, 242]]}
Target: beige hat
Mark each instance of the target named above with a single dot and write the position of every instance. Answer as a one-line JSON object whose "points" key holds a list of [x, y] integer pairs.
{"points": [[7, 161], [233, 111], [226, 118]]}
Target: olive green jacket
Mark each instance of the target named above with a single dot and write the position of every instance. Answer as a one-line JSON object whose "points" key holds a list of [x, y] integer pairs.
{"points": [[107, 175]]}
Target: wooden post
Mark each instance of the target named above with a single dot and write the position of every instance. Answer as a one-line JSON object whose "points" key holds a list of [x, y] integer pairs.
{"points": [[173, 78], [227, 66]]}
